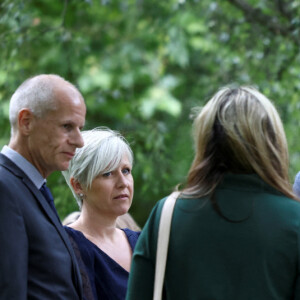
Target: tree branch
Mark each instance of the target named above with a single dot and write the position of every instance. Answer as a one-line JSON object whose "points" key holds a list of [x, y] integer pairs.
{"points": [[282, 8], [63, 16], [287, 63], [256, 15]]}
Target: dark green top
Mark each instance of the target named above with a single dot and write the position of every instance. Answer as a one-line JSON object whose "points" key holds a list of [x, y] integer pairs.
{"points": [[210, 258]]}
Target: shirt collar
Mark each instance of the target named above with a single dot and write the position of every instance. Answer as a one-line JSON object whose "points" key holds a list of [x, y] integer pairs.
{"points": [[29, 169]]}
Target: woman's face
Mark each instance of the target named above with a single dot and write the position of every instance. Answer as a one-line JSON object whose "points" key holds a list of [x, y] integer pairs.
{"points": [[111, 193]]}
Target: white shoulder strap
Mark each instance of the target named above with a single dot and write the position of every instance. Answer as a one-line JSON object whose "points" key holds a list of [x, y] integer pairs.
{"points": [[162, 244]]}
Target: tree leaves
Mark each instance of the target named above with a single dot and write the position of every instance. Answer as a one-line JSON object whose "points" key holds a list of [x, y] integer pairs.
{"points": [[143, 65]]}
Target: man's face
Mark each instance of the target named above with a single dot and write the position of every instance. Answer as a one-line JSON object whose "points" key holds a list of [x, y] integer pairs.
{"points": [[54, 138]]}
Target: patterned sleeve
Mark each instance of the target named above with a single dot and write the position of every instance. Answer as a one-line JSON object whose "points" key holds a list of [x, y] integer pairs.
{"points": [[296, 186]]}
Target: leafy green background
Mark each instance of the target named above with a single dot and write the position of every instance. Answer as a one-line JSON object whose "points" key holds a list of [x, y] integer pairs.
{"points": [[142, 65]]}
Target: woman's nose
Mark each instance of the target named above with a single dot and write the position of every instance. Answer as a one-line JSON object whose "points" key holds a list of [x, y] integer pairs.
{"points": [[122, 180]]}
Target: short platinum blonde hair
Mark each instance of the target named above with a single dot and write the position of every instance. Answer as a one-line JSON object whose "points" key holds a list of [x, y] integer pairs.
{"points": [[238, 131], [102, 152], [37, 94]]}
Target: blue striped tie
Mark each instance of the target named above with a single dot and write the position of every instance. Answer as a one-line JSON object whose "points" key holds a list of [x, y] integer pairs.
{"points": [[48, 196]]}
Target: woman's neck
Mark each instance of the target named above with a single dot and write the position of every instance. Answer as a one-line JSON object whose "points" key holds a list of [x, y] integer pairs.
{"points": [[95, 225]]}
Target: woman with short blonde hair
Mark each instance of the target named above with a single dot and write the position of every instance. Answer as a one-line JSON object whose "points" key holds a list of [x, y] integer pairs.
{"points": [[101, 180]]}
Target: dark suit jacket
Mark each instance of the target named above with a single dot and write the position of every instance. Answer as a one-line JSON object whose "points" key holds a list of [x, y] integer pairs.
{"points": [[36, 258]]}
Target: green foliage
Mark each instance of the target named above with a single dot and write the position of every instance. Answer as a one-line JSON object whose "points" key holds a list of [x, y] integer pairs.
{"points": [[142, 65]]}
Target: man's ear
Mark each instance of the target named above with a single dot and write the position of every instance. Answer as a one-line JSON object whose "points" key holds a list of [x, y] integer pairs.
{"points": [[76, 185], [25, 119]]}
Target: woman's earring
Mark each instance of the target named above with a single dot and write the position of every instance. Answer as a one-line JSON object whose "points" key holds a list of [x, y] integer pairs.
{"points": [[81, 195]]}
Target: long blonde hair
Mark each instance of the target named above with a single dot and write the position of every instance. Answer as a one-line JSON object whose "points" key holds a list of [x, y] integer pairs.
{"points": [[238, 131]]}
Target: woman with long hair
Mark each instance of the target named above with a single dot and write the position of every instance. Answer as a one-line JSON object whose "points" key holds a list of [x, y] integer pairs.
{"points": [[236, 224]]}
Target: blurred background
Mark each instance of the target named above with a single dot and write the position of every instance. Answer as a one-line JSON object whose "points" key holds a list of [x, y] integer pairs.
{"points": [[142, 65]]}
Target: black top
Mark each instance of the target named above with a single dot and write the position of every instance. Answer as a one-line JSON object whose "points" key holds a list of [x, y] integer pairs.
{"points": [[107, 279]]}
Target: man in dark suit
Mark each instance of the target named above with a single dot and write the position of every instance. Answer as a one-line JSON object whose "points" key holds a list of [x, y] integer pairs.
{"points": [[36, 258]]}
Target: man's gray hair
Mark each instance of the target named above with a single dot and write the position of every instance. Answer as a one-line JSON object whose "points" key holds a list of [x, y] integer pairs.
{"points": [[37, 94], [102, 152]]}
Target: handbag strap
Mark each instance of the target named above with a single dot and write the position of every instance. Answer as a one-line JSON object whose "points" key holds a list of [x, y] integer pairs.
{"points": [[162, 244]]}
